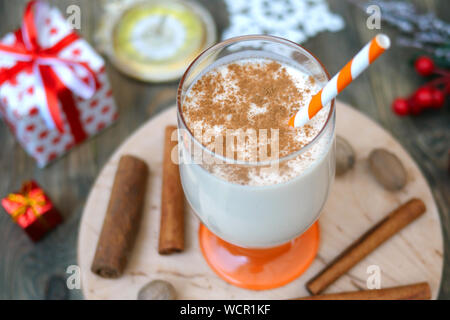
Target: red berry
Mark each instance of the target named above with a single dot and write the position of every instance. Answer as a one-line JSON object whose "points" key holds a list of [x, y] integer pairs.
{"points": [[424, 97], [438, 98], [400, 106], [414, 108], [424, 66]]}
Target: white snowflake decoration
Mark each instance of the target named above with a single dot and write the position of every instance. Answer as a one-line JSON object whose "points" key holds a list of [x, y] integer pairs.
{"points": [[296, 20]]}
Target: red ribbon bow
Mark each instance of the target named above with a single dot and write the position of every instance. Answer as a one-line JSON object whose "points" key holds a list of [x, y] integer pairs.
{"points": [[57, 77]]}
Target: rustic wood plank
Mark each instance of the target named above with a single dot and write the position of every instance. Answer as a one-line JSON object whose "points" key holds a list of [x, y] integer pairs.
{"points": [[30, 271]]}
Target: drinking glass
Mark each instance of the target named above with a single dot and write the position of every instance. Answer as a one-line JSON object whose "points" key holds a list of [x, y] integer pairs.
{"points": [[257, 236]]}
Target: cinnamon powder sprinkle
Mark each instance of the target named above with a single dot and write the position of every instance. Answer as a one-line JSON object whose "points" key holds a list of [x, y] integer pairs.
{"points": [[257, 94], [264, 96]]}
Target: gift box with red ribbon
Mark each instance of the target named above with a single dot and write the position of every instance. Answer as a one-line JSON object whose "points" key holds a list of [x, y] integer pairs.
{"points": [[54, 92], [32, 210]]}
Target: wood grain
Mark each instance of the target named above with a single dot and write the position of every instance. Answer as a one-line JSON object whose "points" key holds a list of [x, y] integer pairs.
{"points": [[27, 270], [366, 244]]}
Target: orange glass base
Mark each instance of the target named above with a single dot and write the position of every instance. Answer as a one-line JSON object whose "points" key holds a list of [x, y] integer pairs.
{"points": [[260, 269]]}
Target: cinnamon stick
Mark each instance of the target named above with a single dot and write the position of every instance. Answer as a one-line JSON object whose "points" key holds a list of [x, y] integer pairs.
{"points": [[171, 233], [371, 240], [122, 218], [416, 291]]}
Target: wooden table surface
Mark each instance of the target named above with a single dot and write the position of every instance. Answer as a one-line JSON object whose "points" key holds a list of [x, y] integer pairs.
{"points": [[38, 271]]}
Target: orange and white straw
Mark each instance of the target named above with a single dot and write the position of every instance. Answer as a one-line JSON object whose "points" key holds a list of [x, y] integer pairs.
{"points": [[342, 79]]}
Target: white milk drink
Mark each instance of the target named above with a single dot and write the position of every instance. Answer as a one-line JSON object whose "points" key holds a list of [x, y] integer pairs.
{"points": [[248, 202]]}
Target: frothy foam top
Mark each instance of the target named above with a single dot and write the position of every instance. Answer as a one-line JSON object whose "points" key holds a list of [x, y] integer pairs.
{"points": [[253, 96]]}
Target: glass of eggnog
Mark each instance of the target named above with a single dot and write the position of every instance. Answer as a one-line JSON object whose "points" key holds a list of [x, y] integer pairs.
{"points": [[257, 185]]}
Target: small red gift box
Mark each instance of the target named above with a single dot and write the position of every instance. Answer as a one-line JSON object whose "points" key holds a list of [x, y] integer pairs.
{"points": [[32, 210]]}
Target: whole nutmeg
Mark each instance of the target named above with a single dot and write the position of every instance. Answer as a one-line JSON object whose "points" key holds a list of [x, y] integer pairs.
{"points": [[345, 156], [387, 169], [157, 290]]}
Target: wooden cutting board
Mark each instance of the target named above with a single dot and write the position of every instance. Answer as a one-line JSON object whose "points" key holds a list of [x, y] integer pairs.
{"points": [[356, 203]]}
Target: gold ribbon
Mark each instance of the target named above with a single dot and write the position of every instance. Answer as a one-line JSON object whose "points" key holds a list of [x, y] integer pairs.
{"points": [[28, 200]]}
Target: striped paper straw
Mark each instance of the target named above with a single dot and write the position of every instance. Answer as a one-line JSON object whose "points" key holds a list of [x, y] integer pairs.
{"points": [[351, 70]]}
